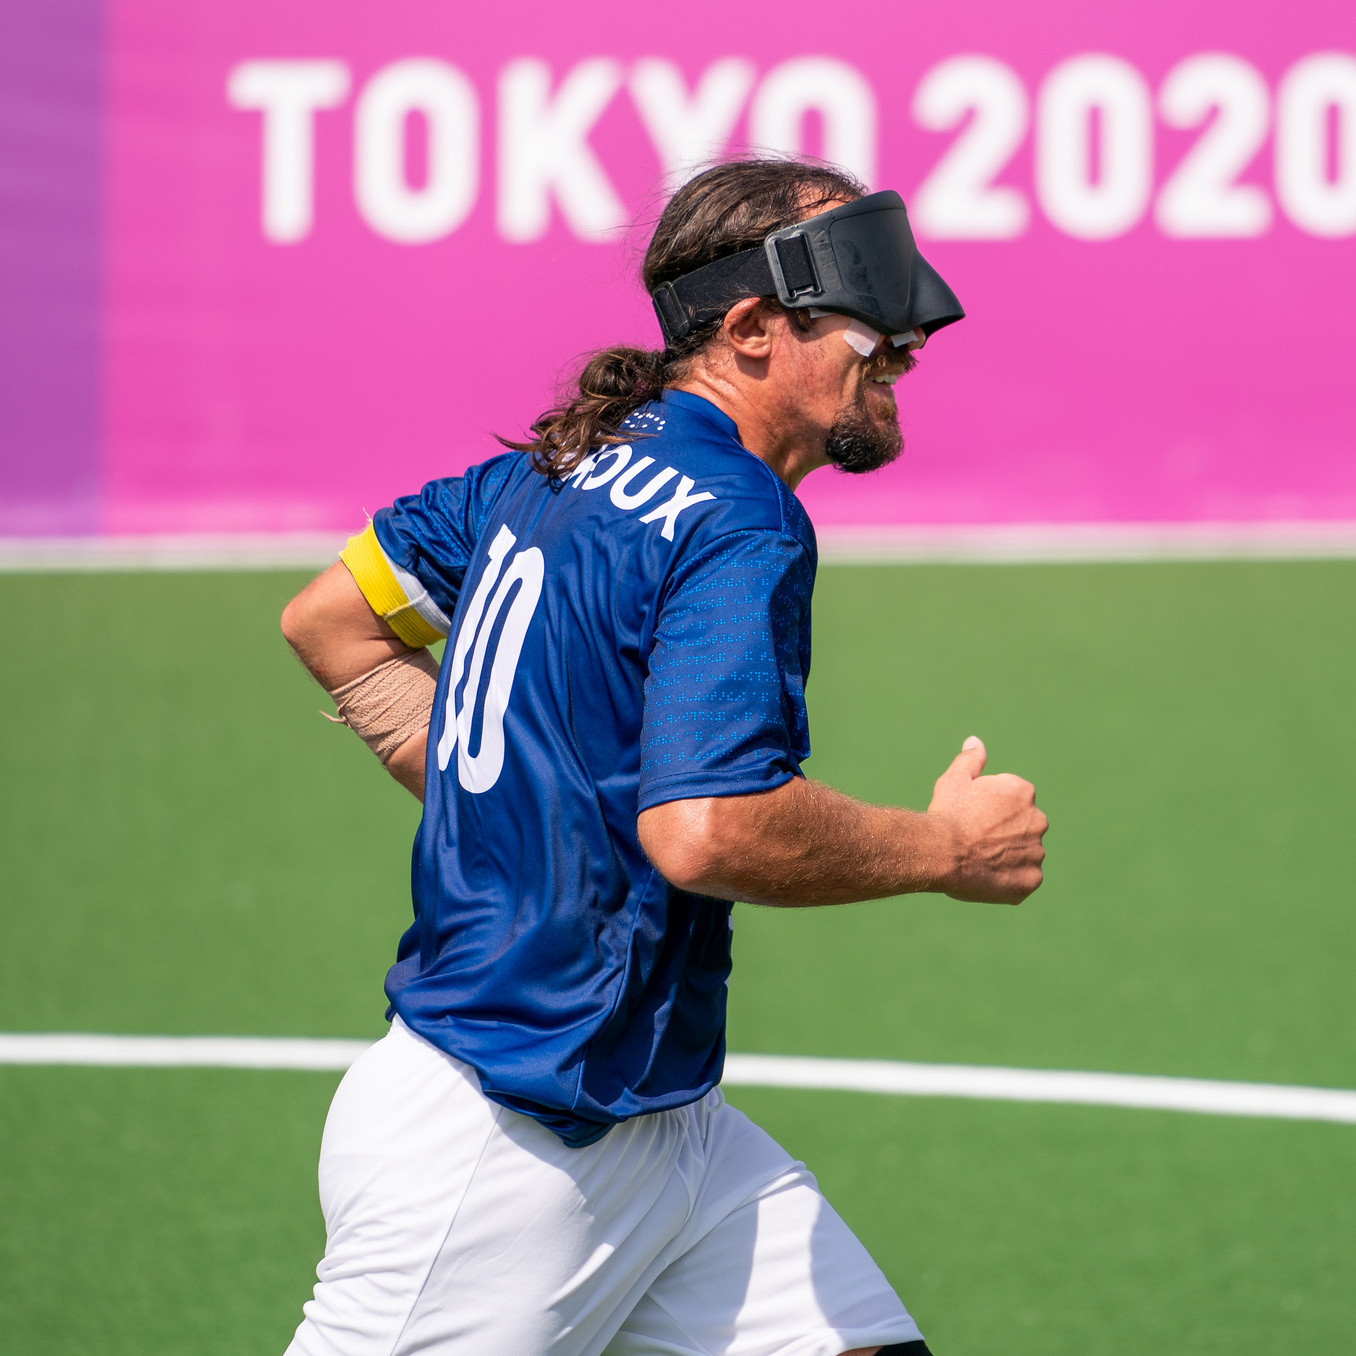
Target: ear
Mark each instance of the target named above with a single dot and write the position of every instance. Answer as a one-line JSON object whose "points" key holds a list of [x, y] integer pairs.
{"points": [[750, 328]]}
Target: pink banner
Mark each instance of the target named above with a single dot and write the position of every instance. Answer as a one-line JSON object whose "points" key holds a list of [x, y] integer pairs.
{"points": [[346, 242]]}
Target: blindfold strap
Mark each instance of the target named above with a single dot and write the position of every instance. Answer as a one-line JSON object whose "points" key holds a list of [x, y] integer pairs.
{"points": [[708, 292]]}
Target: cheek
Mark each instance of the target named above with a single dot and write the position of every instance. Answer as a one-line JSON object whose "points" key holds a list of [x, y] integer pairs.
{"points": [[823, 377], [809, 381], [833, 372]]}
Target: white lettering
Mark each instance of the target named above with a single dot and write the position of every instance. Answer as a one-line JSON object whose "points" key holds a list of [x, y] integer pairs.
{"points": [[447, 101], [544, 151], [478, 772], [1228, 98], [959, 199], [681, 499], [839, 93], [689, 132], [622, 455], [641, 496], [288, 94], [1316, 124], [583, 469], [470, 624], [1094, 189]]}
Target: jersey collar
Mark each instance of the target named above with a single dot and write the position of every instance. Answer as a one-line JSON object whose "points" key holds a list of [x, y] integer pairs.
{"points": [[703, 409]]}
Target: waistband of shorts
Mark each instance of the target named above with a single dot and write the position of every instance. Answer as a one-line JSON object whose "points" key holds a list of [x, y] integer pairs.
{"points": [[696, 1113], [401, 1030]]}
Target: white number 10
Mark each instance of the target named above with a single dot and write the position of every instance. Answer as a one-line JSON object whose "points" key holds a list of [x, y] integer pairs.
{"points": [[478, 772]]}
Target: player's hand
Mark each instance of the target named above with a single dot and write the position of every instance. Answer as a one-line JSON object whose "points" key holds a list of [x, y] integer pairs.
{"points": [[996, 830]]}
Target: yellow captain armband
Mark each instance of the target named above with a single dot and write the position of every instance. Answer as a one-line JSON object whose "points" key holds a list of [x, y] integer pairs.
{"points": [[411, 618]]}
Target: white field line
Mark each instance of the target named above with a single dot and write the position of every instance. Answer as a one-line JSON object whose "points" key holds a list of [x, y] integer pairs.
{"points": [[181, 1052], [1145, 1091], [956, 544], [201, 551], [1086, 543], [896, 1077]]}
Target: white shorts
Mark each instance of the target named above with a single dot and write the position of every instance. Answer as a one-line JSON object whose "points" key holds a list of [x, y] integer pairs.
{"points": [[459, 1228]]}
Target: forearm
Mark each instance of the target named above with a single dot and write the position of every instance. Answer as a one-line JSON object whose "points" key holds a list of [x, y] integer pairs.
{"points": [[406, 765], [802, 844], [805, 843]]}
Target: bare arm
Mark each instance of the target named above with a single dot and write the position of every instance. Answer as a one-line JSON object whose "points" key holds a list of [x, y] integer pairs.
{"points": [[806, 844], [338, 637]]}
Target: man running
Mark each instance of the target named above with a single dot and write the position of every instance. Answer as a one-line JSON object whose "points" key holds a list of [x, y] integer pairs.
{"points": [[538, 1157]]}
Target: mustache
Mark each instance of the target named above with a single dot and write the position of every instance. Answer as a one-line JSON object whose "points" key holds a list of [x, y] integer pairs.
{"points": [[882, 362]]}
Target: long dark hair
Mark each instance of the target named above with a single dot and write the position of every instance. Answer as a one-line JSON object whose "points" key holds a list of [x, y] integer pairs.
{"points": [[723, 210]]}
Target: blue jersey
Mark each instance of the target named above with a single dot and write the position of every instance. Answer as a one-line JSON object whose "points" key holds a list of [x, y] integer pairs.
{"points": [[636, 634]]}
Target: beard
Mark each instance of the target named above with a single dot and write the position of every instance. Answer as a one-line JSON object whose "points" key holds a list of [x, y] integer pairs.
{"points": [[858, 442]]}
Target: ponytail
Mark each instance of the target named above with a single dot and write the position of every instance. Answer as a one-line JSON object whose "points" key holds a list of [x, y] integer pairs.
{"points": [[721, 211], [615, 383]]}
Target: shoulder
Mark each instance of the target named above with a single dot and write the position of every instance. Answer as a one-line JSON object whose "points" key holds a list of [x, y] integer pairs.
{"points": [[480, 485], [491, 475], [460, 499], [740, 494]]}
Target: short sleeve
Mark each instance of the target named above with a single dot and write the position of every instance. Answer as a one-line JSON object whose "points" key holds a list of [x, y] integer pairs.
{"points": [[411, 560], [725, 692]]}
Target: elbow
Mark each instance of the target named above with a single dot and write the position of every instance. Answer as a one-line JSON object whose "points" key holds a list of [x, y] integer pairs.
{"points": [[300, 619], [685, 843], [690, 866], [291, 622]]}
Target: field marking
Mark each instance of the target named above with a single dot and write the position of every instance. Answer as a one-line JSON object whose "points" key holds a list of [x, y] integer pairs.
{"points": [[187, 551], [913, 544], [896, 1077], [1085, 543], [1146, 1091], [181, 1052]]}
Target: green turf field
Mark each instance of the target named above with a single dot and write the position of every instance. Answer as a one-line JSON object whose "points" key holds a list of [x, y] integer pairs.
{"points": [[185, 846]]}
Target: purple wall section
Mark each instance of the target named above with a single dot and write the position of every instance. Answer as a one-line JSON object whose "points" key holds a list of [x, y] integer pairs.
{"points": [[265, 264], [1154, 335], [51, 248]]}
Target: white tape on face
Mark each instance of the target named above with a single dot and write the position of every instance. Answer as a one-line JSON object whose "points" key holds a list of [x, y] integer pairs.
{"points": [[861, 337], [909, 339], [858, 336]]}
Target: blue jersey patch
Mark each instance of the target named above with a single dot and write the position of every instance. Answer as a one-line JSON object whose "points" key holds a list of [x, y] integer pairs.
{"points": [[639, 633]]}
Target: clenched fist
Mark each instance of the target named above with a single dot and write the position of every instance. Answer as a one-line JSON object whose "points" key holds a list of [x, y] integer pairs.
{"points": [[996, 830]]}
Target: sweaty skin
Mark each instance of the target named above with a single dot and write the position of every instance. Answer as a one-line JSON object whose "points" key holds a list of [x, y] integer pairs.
{"points": [[784, 386], [803, 843]]}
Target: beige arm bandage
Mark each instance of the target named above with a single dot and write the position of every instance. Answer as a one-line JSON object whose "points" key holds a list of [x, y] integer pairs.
{"points": [[390, 704]]}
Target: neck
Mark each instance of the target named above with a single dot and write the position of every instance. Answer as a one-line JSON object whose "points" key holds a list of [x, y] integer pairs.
{"points": [[772, 429]]}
